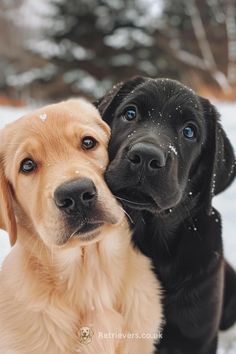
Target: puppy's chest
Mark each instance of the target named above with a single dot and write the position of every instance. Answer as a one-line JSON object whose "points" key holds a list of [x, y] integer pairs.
{"points": [[90, 299], [92, 282], [84, 295]]}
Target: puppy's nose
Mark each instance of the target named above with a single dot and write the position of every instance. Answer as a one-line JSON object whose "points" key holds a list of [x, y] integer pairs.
{"points": [[75, 195], [146, 156]]}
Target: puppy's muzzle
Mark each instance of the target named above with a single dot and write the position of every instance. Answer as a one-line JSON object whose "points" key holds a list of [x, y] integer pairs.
{"points": [[146, 157], [74, 196]]}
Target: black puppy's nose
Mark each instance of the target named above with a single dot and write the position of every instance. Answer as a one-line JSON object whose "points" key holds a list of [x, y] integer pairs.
{"points": [[75, 195], [146, 155]]}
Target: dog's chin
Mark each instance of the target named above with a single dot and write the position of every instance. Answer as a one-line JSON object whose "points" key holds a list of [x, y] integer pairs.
{"points": [[168, 205], [85, 233], [90, 230], [135, 199], [141, 200]]}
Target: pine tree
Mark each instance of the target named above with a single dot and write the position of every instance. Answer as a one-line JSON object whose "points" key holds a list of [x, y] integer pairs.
{"points": [[96, 43]]}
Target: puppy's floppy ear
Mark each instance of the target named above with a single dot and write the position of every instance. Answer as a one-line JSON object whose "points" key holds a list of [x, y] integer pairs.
{"points": [[222, 167], [7, 216], [108, 103]]}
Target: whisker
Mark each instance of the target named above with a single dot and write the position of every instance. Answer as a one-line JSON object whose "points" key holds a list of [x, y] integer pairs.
{"points": [[73, 234], [127, 214], [129, 201]]}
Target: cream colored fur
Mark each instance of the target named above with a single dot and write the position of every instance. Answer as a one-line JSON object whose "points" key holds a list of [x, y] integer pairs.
{"points": [[49, 293]]}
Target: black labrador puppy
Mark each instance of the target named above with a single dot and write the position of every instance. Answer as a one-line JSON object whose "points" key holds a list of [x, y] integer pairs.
{"points": [[168, 156]]}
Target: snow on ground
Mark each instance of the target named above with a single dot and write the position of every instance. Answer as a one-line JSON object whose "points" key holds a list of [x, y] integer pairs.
{"points": [[225, 203]]}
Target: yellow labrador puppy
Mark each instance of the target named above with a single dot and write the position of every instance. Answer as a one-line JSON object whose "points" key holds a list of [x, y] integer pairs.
{"points": [[72, 283]]}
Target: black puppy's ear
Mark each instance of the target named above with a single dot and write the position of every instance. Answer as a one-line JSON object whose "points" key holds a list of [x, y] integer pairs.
{"points": [[108, 103], [221, 158]]}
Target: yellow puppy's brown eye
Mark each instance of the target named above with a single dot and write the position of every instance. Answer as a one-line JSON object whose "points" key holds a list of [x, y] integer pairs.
{"points": [[27, 166], [88, 143]]}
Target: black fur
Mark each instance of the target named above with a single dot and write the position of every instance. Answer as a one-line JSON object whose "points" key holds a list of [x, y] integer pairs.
{"points": [[170, 207]]}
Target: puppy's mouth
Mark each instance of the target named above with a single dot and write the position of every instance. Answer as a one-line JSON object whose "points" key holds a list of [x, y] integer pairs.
{"points": [[87, 228], [137, 199], [86, 232]]}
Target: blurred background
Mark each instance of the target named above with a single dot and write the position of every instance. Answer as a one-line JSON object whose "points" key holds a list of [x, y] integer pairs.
{"points": [[51, 49]]}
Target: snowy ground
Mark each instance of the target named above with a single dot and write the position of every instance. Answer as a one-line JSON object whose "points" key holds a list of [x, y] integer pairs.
{"points": [[225, 203]]}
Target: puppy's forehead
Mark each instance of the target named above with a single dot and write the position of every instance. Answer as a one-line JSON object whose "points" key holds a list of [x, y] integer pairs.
{"points": [[56, 118], [78, 110], [165, 94]]}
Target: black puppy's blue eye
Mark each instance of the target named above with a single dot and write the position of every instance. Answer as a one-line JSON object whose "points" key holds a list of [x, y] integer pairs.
{"points": [[189, 132], [130, 114]]}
